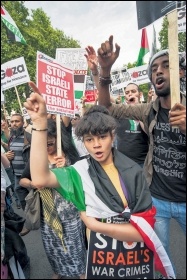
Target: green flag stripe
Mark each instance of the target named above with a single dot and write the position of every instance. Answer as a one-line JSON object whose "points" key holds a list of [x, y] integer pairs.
{"points": [[78, 94], [14, 29]]}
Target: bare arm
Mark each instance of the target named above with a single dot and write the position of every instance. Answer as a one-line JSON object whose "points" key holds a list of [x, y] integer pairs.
{"points": [[92, 61], [106, 58], [66, 120], [41, 175], [5, 161], [26, 183], [121, 232]]}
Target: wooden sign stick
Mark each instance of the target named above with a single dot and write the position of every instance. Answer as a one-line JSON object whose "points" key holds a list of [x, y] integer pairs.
{"points": [[173, 57]]}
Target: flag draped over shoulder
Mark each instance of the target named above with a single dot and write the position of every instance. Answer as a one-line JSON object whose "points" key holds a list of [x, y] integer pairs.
{"points": [[77, 185], [144, 49], [13, 32]]}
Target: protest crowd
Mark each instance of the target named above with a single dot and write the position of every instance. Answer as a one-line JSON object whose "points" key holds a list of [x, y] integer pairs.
{"points": [[103, 179]]}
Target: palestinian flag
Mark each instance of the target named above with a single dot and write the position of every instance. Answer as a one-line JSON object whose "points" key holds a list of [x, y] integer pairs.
{"points": [[144, 49], [79, 84], [77, 185], [12, 30]]}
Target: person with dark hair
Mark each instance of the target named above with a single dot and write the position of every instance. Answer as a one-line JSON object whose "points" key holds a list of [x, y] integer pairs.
{"points": [[131, 139], [107, 185], [62, 231], [18, 155], [165, 164]]}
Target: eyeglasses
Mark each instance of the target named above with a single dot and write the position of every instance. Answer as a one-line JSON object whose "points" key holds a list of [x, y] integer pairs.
{"points": [[50, 144]]}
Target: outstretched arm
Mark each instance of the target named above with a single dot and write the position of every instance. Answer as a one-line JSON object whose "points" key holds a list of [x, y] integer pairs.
{"points": [[92, 61], [121, 232], [41, 175], [106, 58]]}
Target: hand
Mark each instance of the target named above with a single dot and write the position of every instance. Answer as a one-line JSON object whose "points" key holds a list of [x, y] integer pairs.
{"points": [[88, 221], [118, 100], [106, 55], [151, 95], [4, 125], [91, 59], [177, 117], [60, 161], [9, 155], [83, 100], [35, 105]]}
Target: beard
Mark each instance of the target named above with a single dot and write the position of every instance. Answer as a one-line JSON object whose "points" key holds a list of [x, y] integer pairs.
{"points": [[163, 92], [16, 132]]}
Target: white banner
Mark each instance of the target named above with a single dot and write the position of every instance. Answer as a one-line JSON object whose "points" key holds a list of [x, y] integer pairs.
{"points": [[2, 98], [122, 78], [14, 73], [182, 19], [25, 113]]}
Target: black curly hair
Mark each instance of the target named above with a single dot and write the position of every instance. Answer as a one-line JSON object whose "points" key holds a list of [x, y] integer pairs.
{"points": [[96, 120]]}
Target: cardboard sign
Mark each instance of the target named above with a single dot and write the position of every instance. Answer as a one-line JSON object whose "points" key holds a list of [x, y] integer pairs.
{"points": [[109, 258], [73, 58], [14, 73]]}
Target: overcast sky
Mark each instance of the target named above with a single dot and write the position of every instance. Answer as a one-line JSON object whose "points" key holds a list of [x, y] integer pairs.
{"points": [[92, 22]]}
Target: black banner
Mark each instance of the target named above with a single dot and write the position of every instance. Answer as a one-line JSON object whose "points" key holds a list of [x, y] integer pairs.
{"points": [[109, 258], [149, 11]]}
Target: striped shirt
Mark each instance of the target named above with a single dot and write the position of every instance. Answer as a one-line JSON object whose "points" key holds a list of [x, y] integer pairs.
{"points": [[16, 145]]}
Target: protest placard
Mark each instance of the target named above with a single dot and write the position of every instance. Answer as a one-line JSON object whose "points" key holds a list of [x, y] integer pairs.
{"points": [[109, 258], [14, 73], [73, 58], [56, 85]]}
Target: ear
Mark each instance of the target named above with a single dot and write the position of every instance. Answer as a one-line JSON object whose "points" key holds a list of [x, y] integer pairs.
{"points": [[113, 135]]}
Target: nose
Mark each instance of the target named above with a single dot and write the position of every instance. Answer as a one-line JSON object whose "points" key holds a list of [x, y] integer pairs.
{"points": [[96, 143], [159, 70]]}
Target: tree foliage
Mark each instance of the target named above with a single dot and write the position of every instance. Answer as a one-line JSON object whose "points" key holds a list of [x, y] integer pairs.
{"points": [[40, 36], [163, 37]]}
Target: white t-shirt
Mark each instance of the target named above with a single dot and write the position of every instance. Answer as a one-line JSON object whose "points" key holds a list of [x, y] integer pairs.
{"points": [[79, 145]]}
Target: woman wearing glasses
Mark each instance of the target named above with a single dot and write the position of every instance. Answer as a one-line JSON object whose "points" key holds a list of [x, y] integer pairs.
{"points": [[63, 232]]}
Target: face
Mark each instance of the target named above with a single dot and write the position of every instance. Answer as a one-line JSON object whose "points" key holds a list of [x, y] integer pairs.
{"points": [[99, 147], [160, 76], [74, 121], [181, 72], [51, 145], [132, 95], [16, 122]]}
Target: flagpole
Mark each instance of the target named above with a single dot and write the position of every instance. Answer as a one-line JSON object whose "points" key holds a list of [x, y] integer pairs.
{"points": [[173, 57], [5, 114], [18, 99], [58, 129]]}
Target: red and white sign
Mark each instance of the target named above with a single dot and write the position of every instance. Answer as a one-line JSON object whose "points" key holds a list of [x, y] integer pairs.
{"points": [[56, 84]]}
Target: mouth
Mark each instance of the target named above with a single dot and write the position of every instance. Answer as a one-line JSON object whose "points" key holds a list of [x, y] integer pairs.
{"points": [[131, 100], [160, 83], [98, 155]]}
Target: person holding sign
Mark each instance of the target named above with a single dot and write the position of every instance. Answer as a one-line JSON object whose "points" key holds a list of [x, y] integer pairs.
{"points": [[165, 164], [106, 185], [62, 231], [131, 140]]}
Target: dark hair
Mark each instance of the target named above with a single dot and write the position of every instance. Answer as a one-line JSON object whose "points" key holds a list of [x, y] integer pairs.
{"points": [[96, 120], [139, 90], [66, 141], [19, 115]]}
